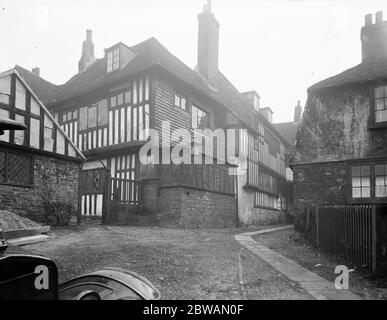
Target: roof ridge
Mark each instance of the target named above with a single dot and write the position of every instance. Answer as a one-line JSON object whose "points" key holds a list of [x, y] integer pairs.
{"points": [[35, 75]]}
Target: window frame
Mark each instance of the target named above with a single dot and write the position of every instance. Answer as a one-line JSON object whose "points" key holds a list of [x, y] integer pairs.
{"points": [[115, 60], [259, 206], [208, 125], [372, 122], [31, 175], [180, 95], [372, 198]]}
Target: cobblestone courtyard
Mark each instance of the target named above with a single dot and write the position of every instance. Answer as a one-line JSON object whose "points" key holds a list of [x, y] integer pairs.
{"points": [[183, 264]]}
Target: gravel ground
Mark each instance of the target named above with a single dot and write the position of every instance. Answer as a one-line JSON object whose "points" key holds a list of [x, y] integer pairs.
{"points": [[183, 264], [286, 243]]}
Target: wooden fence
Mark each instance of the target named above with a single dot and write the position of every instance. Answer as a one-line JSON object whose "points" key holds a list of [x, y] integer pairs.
{"points": [[345, 231]]}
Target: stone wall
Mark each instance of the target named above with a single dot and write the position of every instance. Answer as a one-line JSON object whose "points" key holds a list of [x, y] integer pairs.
{"points": [[191, 208], [335, 126], [316, 185], [52, 199]]}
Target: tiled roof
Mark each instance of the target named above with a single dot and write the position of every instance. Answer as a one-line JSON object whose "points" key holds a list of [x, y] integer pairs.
{"points": [[363, 72], [42, 88], [150, 53], [288, 130]]}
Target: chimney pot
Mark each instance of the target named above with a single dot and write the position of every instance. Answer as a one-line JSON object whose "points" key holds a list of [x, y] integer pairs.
{"points": [[89, 35], [373, 39], [208, 43], [368, 19], [36, 71], [297, 112], [87, 57], [379, 17]]}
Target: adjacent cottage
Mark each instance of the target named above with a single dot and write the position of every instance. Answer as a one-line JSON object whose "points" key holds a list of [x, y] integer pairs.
{"points": [[340, 156], [39, 166]]}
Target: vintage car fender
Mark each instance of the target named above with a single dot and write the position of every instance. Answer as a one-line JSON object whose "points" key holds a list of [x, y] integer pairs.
{"points": [[109, 284], [27, 276]]}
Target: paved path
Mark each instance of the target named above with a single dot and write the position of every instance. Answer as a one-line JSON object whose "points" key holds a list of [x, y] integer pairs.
{"points": [[315, 285]]}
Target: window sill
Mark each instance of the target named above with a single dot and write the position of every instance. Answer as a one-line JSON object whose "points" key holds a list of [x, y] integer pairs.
{"points": [[380, 125], [268, 208], [366, 200]]}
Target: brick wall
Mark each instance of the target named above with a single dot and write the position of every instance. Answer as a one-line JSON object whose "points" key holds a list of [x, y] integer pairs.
{"points": [[318, 184], [54, 195], [191, 208]]}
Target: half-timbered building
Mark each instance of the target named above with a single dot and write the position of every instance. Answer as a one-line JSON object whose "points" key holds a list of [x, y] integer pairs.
{"points": [[39, 166], [108, 107]]}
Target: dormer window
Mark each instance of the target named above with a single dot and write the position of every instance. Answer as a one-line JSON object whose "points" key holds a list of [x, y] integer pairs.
{"points": [[113, 60]]}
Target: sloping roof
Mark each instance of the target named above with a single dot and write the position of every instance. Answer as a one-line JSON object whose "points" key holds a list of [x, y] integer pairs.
{"points": [[44, 89], [288, 131], [46, 112], [363, 72], [150, 53]]}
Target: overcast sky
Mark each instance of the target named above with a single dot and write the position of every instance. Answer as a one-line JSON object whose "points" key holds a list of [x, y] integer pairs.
{"points": [[278, 48]]}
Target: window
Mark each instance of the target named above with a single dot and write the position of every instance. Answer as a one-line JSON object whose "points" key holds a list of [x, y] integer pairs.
{"points": [[380, 181], [5, 89], [273, 143], [256, 143], [200, 118], [92, 116], [264, 200], [113, 60], [15, 168], [20, 99], [180, 101], [380, 104], [102, 112], [361, 186]]}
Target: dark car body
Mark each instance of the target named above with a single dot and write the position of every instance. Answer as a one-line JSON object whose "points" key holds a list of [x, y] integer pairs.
{"points": [[27, 276]]}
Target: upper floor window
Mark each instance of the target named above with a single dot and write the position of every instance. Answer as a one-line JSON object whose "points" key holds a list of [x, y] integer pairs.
{"points": [[200, 118], [380, 104], [113, 60], [93, 116], [180, 101]]}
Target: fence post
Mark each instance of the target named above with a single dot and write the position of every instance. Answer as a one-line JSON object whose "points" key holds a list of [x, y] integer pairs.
{"points": [[373, 240], [107, 198], [80, 186], [317, 230]]}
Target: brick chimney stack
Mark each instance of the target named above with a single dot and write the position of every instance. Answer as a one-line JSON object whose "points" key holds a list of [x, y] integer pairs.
{"points": [[297, 112], [374, 38], [36, 71], [208, 43], [87, 57]]}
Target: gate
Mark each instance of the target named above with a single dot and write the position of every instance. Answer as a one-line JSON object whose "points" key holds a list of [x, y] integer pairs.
{"points": [[106, 198]]}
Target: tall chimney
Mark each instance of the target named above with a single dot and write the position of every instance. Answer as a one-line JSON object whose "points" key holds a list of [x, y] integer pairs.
{"points": [[374, 38], [208, 42], [36, 71], [87, 57], [297, 112]]}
